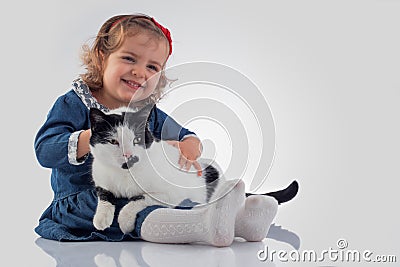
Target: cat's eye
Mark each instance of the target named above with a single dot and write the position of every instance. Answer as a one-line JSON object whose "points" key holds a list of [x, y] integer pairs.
{"points": [[136, 140], [114, 142]]}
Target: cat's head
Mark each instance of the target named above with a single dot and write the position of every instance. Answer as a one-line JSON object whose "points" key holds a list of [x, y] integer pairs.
{"points": [[119, 136]]}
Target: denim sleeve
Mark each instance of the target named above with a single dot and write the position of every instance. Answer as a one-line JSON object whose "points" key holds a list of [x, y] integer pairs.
{"points": [[67, 116], [166, 128]]}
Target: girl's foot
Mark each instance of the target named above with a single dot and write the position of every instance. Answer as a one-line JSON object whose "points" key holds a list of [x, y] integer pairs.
{"points": [[213, 224], [255, 217]]}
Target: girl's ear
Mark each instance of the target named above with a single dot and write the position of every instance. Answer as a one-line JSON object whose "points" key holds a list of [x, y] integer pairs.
{"points": [[102, 58]]}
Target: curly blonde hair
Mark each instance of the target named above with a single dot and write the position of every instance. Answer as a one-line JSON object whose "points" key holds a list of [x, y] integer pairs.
{"points": [[110, 37]]}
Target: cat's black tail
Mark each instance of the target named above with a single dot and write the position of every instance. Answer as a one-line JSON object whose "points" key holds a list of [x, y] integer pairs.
{"points": [[283, 195]]}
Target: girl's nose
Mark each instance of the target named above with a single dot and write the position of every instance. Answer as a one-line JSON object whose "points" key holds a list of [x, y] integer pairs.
{"points": [[138, 72]]}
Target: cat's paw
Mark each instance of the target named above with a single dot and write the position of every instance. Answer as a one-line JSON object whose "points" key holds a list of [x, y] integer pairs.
{"points": [[104, 216], [126, 219], [127, 215]]}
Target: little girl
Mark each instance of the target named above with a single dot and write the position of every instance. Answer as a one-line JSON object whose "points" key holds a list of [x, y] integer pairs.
{"points": [[127, 52]]}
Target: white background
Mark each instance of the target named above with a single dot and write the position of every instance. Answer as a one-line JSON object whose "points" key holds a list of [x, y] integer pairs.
{"points": [[329, 70]]}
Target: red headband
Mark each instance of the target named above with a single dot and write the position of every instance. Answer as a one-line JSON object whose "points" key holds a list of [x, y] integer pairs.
{"points": [[165, 31]]}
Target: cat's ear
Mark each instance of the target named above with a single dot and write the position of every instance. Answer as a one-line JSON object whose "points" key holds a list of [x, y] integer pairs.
{"points": [[148, 137], [145, 111], [96, 116]]}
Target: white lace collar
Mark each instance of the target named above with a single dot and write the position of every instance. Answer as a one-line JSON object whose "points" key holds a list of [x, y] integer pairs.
{"points": [[83, 91]]}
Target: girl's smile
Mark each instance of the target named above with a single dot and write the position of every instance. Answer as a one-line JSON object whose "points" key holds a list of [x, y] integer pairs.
{"points": [[134, 85]]}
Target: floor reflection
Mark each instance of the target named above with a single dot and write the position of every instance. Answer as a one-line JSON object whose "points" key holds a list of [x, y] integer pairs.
{"points": [[278, 233], [140, 253]]}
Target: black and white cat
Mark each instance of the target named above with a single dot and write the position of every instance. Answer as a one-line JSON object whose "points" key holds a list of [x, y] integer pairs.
{"points": [[128, 162]]}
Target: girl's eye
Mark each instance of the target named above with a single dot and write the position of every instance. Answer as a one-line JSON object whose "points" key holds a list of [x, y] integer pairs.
{"points": [[114, 142], [130, 59], [152, 67], [136, 140]]}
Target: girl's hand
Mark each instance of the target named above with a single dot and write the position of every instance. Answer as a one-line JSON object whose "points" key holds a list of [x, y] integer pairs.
{"points": [[83, 143], [189, 151]]}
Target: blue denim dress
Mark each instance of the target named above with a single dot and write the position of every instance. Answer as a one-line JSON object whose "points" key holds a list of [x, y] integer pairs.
{"points": [[70, 214]]}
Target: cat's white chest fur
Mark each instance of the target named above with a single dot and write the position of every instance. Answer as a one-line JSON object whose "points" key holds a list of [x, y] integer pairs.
{"points": [[158, 171], [116, 180]]}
